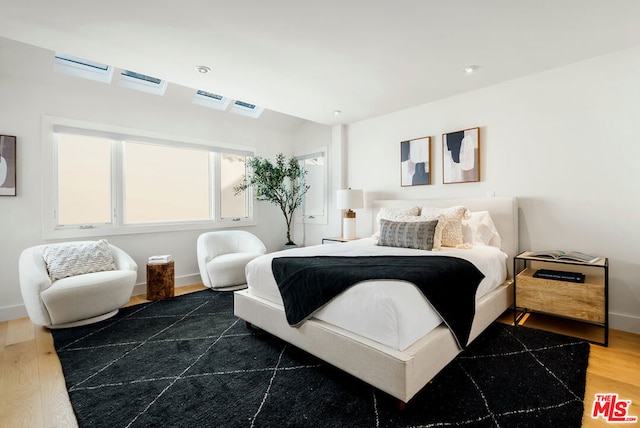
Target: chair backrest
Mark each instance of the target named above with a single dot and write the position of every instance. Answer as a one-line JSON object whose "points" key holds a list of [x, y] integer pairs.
{"points": [[217, 243], [221, 242]]}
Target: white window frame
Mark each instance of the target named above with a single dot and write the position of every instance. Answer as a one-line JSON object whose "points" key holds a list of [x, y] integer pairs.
{"points": [[316, 219], [116, 226]]}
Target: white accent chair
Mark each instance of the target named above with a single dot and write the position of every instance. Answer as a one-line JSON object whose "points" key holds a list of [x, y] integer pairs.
{"points": [[74, 300], [223, 256]]}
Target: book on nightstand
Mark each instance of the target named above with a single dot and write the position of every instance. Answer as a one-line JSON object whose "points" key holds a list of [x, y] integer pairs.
{"points": [[574, 256], [559, 275]]}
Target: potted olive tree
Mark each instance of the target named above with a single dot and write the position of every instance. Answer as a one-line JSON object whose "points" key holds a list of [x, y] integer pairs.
{"points": [[282, 183]]}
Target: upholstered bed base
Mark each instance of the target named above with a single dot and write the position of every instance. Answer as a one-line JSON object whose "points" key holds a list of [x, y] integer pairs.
{"points": [[399, 373]]}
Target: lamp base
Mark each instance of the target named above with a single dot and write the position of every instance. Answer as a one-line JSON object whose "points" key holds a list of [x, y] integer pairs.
{"points": [[349, 228]]}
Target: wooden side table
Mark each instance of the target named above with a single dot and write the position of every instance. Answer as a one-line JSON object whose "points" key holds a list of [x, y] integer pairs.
{"points": [[160, 281], [586, 303]]}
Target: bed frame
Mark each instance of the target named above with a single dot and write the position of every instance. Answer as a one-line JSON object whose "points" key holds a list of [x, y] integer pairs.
{"points": [[399, 373]]}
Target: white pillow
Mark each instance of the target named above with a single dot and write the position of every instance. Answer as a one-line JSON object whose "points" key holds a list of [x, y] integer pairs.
{"points": [[452, 233], [77, 258], [393, 213], [478, 229]]}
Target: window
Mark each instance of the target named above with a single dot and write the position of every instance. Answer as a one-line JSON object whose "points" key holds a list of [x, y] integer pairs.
{"points": [[219, 102], [211, 100], [232, 173], [141, 82], [84, 68], [90, 158], [314, 207], [165, 183], [246, 109], [103, 182]]}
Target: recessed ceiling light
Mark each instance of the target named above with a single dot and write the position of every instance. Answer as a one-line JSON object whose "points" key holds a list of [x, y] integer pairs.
{"points": [[202, 69], [336, 112], [470, 69]]}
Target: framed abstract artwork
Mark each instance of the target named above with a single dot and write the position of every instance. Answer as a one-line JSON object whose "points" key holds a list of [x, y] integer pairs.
{"points": [[415, 162], [7, 165], [461, 156]]}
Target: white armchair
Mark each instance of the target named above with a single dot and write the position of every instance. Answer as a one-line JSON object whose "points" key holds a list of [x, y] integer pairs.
{"points": [[78, 299], [223, 256]]}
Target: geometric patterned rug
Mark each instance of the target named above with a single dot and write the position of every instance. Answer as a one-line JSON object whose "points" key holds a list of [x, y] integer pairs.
{"points": [[189, 362]]}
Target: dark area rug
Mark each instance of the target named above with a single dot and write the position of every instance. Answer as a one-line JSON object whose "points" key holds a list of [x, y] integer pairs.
{"points": [[188, 362]]}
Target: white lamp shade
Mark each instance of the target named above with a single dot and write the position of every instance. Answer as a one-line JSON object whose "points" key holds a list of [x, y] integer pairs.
{"points": [[349, 199]]}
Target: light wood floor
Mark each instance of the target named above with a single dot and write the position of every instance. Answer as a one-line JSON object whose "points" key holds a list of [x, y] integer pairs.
{"points": [[33, 393]]}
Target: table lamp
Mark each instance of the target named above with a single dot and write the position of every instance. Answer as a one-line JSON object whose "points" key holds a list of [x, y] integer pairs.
{"points": [[348, 200]]}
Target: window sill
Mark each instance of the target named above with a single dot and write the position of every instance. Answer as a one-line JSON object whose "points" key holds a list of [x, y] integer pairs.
{"points": [[77, 232]]}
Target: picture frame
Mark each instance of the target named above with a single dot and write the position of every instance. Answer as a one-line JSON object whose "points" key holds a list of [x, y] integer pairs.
{"points": [[415, 162], [7, 165], [461, 156]]}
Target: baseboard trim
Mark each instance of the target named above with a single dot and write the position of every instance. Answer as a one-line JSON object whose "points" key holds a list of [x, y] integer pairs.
{"points": [[180, 281], [624, 322], [15, 312]]}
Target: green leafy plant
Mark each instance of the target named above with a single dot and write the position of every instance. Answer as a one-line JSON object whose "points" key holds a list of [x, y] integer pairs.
{"points": [[281, 183]]}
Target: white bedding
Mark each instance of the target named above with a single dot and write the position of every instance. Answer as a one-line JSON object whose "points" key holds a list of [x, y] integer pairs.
{"points": [[390, 312]]}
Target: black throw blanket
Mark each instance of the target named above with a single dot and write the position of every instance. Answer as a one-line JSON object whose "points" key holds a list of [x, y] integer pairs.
{"points": [[448, 283]]}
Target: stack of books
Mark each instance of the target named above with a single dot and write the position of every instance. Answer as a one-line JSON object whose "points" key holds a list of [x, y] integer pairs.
{"points": [[156, 260]]}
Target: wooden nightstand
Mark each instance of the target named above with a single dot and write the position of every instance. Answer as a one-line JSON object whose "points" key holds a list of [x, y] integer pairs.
{"points": [[583, 303]]}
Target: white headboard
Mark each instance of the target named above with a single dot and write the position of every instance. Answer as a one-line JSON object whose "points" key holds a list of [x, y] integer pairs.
{"points": [[503, 210]]}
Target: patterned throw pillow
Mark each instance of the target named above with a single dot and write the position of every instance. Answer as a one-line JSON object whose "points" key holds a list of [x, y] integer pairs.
{"points": [[418, 235], [77, 258], [452, 234]]}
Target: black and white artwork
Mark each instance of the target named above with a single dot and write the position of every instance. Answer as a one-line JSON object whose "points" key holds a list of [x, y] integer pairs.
{"points": [[415, 161], [461, 156], [7, 165]]}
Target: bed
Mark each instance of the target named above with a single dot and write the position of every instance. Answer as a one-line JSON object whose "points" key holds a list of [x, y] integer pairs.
{"points": [[384, 332]]}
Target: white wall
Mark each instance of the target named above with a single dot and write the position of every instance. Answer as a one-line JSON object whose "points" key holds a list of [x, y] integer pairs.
{"points": [[29, 89], [564, 142]]}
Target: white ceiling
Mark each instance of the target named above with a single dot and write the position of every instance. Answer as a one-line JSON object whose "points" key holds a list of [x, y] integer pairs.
{"points": [[308, 58]]}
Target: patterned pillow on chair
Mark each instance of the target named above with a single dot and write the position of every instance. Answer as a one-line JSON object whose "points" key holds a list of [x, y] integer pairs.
{"points": [[77, 258]]}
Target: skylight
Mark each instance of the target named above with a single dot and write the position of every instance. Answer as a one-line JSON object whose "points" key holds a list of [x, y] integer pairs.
{"points": [[211, 100], [246, 109], [84, 68], [142, 82], [87, 69]]}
